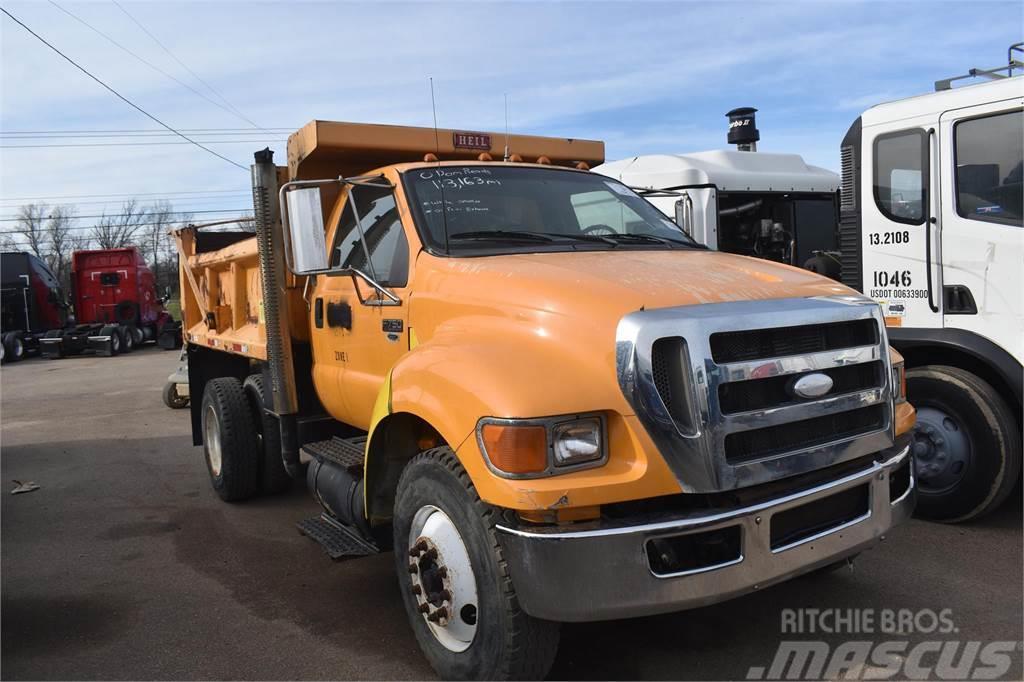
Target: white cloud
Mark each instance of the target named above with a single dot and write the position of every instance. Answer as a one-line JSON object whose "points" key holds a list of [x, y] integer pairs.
{"points": [[645, 77]]}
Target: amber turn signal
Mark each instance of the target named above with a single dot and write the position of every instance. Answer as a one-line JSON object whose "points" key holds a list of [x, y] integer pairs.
{"points": [[516, 449]]}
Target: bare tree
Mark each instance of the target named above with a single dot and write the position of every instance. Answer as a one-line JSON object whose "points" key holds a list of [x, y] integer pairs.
{"points": [[61, 242], [120, 229], [30, 225], [8, 242]]}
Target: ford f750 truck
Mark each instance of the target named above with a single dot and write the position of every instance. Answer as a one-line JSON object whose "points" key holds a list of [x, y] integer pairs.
{"points": [[550, 402]]}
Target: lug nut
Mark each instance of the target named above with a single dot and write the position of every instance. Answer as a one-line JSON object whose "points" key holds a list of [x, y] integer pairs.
{"points": [[446, 595], [417, 590], [442, 571], [424, 608], [431, 555], [413, 568], [438, 615]]}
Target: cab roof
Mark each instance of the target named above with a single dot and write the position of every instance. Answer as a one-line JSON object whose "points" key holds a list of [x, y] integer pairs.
{"points": [[726, 169], [934, 103]]}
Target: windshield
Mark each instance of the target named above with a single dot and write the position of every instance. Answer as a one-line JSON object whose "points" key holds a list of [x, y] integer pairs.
{"points": [[494, 209]]}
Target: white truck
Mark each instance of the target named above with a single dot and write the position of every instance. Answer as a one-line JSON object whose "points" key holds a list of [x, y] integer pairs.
{"points": [[929, 224]]}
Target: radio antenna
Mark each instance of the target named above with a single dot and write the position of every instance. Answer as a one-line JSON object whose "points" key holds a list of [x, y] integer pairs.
{"points": [[506, 127], [433, 108], [437, 151]]}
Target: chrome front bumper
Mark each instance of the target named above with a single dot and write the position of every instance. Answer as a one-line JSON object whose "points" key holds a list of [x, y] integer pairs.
{"points": [[603, 572]]}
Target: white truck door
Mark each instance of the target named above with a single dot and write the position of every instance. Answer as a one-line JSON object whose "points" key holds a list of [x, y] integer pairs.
{"points": [[981, 228], [898, 207]]}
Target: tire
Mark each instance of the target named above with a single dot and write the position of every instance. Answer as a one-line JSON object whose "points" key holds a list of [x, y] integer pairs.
{"points": [[116, 342], [14, 347], [127, 340], [967, 449], [506, 643], [273, 477], [229, 440], [171, 397], [138, 337]]}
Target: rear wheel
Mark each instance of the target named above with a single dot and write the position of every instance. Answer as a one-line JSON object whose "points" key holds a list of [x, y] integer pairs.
{"points": [[455, 582], [273, 477], [127, 339], [229, 440], [115, 338], [967, 449]]}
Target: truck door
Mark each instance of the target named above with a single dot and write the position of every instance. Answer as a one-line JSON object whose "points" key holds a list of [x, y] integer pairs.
{"points": [[358, 335], [900, 245], [981, 235]]}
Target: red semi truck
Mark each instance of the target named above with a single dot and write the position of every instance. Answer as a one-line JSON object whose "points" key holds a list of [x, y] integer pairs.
{"points": [[31, 303], [116, 306]]}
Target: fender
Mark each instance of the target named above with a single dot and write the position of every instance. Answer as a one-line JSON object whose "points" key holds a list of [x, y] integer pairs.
{"points": [[1003, 365], [447, 384]]}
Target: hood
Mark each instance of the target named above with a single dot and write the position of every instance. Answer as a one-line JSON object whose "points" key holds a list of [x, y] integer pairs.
{"points": [[619, 281]]}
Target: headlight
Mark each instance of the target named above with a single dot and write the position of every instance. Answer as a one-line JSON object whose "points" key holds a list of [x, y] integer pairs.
{"points": [[528, 448], [576, 442]]}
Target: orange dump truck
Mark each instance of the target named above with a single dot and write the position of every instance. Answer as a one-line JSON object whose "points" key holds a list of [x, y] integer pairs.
{"points": [[550, 402]]}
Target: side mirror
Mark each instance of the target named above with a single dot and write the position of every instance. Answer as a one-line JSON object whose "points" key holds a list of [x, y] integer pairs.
{"points": [[684, 214], [305, 230]]}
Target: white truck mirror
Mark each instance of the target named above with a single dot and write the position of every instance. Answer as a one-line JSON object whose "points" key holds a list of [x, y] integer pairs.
{"points": [[306, 230]]}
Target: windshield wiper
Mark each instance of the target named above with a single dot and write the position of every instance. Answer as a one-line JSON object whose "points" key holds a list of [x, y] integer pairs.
{"points": [[648, 238], [509, 235]]}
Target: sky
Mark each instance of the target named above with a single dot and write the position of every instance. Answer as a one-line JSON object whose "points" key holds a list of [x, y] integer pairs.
{"points": [[644, 77]]}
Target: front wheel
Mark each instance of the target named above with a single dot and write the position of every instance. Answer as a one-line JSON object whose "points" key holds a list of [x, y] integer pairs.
{"points": [[172, 398], [455, 582], [14, 347], [967, 449]]}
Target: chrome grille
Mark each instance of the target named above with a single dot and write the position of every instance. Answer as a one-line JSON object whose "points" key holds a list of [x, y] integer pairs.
{"points": [[726, 416]]}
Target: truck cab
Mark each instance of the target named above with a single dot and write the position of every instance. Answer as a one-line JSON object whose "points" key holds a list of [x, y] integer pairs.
{"points": [[931, 228], [32, 304], [550, 402], [763, 204]]}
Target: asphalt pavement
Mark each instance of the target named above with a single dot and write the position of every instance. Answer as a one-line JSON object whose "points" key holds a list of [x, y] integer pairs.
{"points": [[125, 565]]}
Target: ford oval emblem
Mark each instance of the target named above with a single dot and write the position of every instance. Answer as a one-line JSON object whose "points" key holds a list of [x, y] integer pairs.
{"points": [[812, 385]]}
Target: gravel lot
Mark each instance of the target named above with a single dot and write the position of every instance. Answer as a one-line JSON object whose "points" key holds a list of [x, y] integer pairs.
{"points": [[125, 565]]}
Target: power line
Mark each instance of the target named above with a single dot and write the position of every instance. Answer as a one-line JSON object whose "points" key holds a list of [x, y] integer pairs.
{"points": [[178, 202], [185, 66], [252, 136], [138, 194], [146, 62], [128, 215], [129, 144], [154, 131], [119, 95], [77, 228]]}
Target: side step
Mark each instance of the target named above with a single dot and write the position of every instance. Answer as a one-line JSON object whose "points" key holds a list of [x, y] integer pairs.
{"points": [[338, 541], [345, 452]]}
